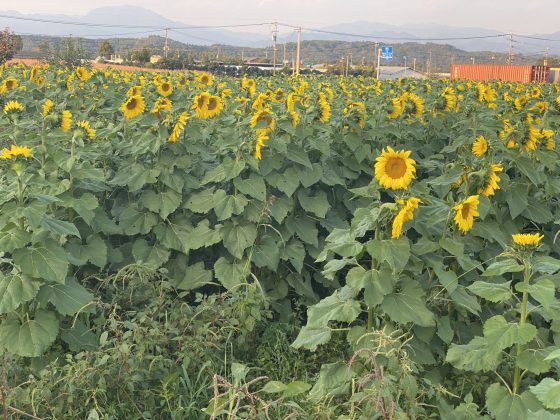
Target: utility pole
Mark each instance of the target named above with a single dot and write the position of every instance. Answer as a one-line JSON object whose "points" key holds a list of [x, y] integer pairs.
{"points": [[293, 63], [374, 58], [510, 53], [414, 64], [429, 66], [472, 59], [347, 62], [378, 61], [284, 61], [274, 35], [242, 56], [545, 62], [298, 50], [166, 45]]}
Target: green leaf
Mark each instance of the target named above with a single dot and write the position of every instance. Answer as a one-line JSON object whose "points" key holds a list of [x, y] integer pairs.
{"points": [[546, 264], [444, 329], [295, 388], [295, 253], [15, 290], [274, 387], [201, 202], [310, 338], [517, 199], [68, 298], [266, 253], [134, 222], [499, 334], [534, 360], [253, 186], [13, 237], [494, 292], [297, 154], [334, 380], [506, 406], [408, 306], [230, 275], [163, 202], [79, 337], [203, 236], [286, 182], [542, 291], [195, 276], [538, 212], [452, 246], [309, 177], [280, 207], [395, 252], [377, 285], [46, 261], [30, 338], [60, 227], [548, 392], [305, 228], [153, 256], [498, 268], [228, 205], [474, 356], [317, 204], [237, 238], [340, 306]]}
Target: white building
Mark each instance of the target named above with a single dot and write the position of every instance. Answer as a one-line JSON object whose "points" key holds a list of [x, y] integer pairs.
{"points": [[396, 72]]}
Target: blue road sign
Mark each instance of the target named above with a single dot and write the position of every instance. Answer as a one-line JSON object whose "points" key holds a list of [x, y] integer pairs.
{"points": [[387, 53]]}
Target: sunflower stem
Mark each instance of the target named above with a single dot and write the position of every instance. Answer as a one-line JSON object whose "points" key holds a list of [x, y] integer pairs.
{"points": [[522, 319]]}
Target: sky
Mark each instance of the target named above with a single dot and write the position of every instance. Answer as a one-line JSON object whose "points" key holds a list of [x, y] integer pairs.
{"points": [[520, 16]]}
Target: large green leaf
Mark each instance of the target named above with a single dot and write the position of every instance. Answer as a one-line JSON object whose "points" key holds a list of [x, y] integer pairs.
{"points": [[162, 202], [506, 406], [500, 334], [13, 237], [15, 290], [266, 252], [46, 261], [317, 204], [304, 228], [30, 338], [494, 292], [228, 205], [201, 202], [238, 237], [474, 356], [194, 276], [340, 306], [408, 305], [508, 265], [395, 252], [60, 227], [151, 255], [310, 338], [134, 222], [68, 298], [334, 380], [253, 186], [548, 392], [230, 275], [376, 285]]}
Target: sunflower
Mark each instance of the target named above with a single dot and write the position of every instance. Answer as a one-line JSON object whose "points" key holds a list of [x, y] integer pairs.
{"points": [[134, 91], [250, 85], [200, 105], [325, 108], [535, 92], [162, 104], [540, 106], [278, 96], [406, 213], [178, 127], [548, 134], [294, 117], [263, 121], [480, 146], [46, 107], [82, 73], [86, 127], [533, 137], [260, 102], [450, 99], [416, 108], [13, 106], [8, 84], [66, 120], [133, 106], [359, 109], [466, 211], [262, 138], [492, 180], [205, 78], [527, 239], [34, 73], [291, 101], [15, 151], [520, 102], [165, 88], [396, 108], [214, 106], [395, 170]]}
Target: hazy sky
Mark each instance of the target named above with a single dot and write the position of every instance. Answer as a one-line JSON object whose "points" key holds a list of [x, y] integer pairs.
{"points": [[522, 16]]}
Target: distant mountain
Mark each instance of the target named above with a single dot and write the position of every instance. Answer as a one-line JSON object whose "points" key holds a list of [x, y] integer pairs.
{"points": [[116, 19]]}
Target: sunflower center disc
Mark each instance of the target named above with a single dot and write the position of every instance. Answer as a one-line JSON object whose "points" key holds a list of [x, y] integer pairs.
{"points": [[395, 168]]}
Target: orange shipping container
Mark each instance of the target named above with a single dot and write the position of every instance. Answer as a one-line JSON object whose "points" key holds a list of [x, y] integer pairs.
{"points": [[504, 72]]}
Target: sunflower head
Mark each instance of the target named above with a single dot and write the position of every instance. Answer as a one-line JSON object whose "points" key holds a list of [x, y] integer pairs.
{"points": [[465, 212], [263, 120], [12, 107], [491, 182], [165, 88], [525, 240], [66, 120], [14, 151], [405, 213], [133, 106], [480, 146], [395, 170]]}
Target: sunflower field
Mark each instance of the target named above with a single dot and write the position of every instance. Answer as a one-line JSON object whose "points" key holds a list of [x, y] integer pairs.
{"points": [[175, 245]]}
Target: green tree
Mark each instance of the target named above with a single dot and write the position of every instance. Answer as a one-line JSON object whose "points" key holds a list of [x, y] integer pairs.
{"points": [[68, 52], [10, 43], [105, 49]]}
